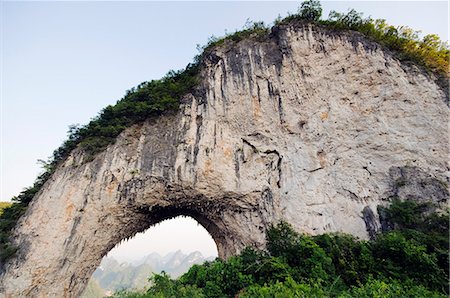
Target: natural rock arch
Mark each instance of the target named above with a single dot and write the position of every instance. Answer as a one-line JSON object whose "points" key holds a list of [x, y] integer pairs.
{"points": [[304, 127]]}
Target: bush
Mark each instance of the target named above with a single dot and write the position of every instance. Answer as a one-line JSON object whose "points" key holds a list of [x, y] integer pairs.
{"points": [[352, 259], [392, 289], [310, 10], [402, 259], [289, 288], [415, 222], [4, 205], [307, 259], [429, 52]]}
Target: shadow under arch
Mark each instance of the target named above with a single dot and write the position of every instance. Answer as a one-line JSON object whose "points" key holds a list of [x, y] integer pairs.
{"points": [[141, 219]]}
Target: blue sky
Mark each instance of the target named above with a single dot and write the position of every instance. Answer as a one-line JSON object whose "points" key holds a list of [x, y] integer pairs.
{"points": [[62, 62]]}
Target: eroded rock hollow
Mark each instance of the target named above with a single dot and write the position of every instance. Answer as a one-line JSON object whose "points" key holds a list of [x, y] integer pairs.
{"points": [[309, 126]]}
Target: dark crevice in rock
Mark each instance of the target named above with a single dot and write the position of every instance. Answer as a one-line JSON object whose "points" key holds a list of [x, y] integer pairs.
{"points": [[238, 158], [266, 208], [280, 109], [371, 222], [366, 168], [258, 92], [314, 170], [249, 144], [353, 196], [199, 122], [385, 223], [75, 224], [278, 165]]}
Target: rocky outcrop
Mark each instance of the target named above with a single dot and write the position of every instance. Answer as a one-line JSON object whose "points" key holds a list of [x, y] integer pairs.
{"points": [[309, 126]]}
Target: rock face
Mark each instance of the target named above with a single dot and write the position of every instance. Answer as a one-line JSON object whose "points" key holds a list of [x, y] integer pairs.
{"points": [[310, 126]]}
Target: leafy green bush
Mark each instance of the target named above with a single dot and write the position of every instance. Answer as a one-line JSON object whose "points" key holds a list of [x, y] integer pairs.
{"points": [[402, 259], [4, 205], [289, 288], [419, 242], [163, 286], [310, 10], [329, 265], [352, 259], [392, 289], [429, 51], [255, 30], [306, 258]]}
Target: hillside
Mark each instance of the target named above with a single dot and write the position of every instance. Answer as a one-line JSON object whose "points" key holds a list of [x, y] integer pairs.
{"points": [[152, 99], [112, 276], [315, 125]]}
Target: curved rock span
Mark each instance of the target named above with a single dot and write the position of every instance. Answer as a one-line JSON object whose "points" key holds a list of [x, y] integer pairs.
{"points": [[312, 127]]}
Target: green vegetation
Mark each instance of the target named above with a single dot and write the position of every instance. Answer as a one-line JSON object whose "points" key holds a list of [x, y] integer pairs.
{"points": [[146, 100], [4, 205], [8, 220], [156, 97], [256, 30], [403, 262], [310, 10], [405, 43]]}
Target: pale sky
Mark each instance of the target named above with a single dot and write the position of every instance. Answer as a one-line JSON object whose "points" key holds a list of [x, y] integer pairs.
{"points": [[182, 233], [62, 62]]}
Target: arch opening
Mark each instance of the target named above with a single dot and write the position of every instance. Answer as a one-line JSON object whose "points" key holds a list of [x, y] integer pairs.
{"points": [[176, 242]]}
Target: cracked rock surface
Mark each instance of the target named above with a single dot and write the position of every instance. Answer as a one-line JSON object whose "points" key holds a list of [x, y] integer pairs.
{"points": [[310, 126]]}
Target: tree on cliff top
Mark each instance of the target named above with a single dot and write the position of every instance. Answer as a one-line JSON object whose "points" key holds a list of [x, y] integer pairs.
{"points": [[310, 10]]}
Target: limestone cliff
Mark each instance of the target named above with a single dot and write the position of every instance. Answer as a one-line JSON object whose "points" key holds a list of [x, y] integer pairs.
{"points": [[309, 126]]}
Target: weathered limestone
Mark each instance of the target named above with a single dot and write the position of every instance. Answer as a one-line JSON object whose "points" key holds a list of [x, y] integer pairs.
{"points": [[310, 126]]}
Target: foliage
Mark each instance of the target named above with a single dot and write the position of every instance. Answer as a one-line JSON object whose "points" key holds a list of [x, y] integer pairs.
{"points": [[329, 265], [256, 30], [371, 289], [4, 205], [352, 259], [393, 289], [8, 220], [163, 286], [429, 51], [288, 288], [310, 10], [129, 294], [402, 259], [423, 234], [306, 258]]}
